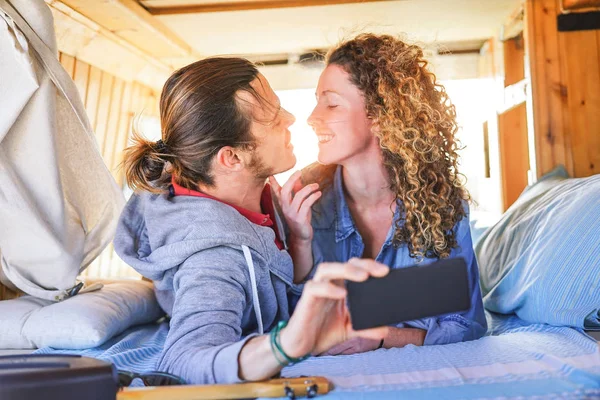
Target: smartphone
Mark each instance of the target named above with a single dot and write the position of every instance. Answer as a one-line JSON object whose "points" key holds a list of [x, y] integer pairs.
{"points": [[410, 293]]}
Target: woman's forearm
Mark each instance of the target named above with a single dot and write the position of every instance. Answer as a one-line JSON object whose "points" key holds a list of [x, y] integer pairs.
{"points": [[301, 253], [400, 337]]}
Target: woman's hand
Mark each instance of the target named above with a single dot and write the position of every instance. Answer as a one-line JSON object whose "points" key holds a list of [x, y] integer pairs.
{"points": [[296, 201], [321, 319]]}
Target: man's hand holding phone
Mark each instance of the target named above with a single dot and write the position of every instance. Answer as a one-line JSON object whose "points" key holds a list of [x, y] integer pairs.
{"points": [[410, 293]]}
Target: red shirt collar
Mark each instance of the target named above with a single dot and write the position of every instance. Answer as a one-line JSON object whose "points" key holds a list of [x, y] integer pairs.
{"points": [[266, 204]]}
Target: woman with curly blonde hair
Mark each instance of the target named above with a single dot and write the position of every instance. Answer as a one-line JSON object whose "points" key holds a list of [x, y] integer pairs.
{"points": [[387, 185]]}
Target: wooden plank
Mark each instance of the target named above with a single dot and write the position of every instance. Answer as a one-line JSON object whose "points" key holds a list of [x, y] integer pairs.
{"points": [[583, 81], [112, 126], [548, 87], [514, 60], [102, 48], [563, 147], [107, 126], [572, 5], [123, 142], [552, 139], [106, 89], [130, 21], [68, 63], [243, 5], [81, 78], [514, 153], [110, 264], [123, 133], [487, 64], [514, 95], [145, 105], [486, 149], [152, 105], [92, 97], [596, 153]]}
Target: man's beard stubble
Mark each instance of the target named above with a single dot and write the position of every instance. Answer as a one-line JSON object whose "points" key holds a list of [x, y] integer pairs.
{"points": [[259, 169]]}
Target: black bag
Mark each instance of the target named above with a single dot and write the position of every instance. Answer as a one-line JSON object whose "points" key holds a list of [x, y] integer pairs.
{"points": [[56, 377]]}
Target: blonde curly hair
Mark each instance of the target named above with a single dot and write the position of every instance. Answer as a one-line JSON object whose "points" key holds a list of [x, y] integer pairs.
{"points": [[416, 126]]}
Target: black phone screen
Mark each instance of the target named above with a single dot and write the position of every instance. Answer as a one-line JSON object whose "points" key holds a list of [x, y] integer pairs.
{"points": [[410, 293]]}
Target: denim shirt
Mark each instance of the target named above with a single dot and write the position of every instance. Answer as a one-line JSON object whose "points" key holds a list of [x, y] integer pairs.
{"points": [[336, 238]]}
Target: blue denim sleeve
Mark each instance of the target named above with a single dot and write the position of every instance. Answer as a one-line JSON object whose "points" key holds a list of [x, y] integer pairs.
{"points": [[468, 325]]}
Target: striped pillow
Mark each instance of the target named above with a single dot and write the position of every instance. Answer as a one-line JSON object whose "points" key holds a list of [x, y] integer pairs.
{"points": [[541, 261]]}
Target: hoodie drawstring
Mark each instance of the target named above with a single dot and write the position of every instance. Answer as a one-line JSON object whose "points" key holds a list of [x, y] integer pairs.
{"points": [[255, 300]]}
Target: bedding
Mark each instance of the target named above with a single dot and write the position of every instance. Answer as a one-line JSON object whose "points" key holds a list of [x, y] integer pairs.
{"points": [[541, 261], [515, 359]]}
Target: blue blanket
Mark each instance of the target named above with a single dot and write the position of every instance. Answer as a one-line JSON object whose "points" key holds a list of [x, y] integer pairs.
{"points": [[514, 359]]}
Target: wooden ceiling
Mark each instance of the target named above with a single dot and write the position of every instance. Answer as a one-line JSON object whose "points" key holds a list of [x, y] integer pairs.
{"points": [[168, 7], [172, 33]]}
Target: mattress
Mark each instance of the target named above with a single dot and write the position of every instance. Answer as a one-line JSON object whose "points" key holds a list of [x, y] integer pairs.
{"points": [[514, 359]]}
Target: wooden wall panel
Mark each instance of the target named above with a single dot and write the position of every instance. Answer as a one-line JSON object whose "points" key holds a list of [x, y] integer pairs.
{"points": [[132, 96], [68, 63], [565, 79], [81, 77], [110, 103], [582, 66], [123, 129], [514, 60], [93, 95], [514, 153], [112, 126], [491, 69], [104, 102]]}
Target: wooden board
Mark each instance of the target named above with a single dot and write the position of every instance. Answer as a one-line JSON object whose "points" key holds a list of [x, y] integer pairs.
{"points": [[89, 42], [241, 5], [514, 60], [572, 5], [81, 78], [106, 89], [123, 132], [549, 90], [133, 23], [112, 126], [92, 97], [67, 62], [565, 78], [514, 153], [583, 81]]}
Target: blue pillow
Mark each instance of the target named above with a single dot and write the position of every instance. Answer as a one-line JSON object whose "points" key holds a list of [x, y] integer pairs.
{"points": [[541, 261]]}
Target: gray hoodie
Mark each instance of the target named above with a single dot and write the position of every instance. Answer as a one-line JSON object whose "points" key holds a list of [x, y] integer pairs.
{"points": [[220, 277]]}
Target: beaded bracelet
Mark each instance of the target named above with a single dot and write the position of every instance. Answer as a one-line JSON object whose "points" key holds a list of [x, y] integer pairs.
{"points": [[278, 350]]}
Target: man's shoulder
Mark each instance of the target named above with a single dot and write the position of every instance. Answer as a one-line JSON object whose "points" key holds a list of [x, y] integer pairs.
{"points": [[212, 220]]}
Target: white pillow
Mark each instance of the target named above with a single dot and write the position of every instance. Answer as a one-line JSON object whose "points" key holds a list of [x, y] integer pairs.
{"points": [[13, 315], [83, 321]]}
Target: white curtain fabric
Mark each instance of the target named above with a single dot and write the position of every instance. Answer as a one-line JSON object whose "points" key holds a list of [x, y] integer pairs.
{"points": [[59, 204]]}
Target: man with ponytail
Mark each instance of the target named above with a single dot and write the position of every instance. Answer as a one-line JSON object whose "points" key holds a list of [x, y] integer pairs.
{"points": [[201, 224]]}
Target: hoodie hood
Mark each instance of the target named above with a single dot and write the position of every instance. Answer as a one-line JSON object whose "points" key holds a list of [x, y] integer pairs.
{"points": [[157, 233]]}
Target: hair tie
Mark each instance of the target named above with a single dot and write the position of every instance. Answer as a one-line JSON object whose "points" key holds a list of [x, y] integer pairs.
{"points": [[161, 147]]}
